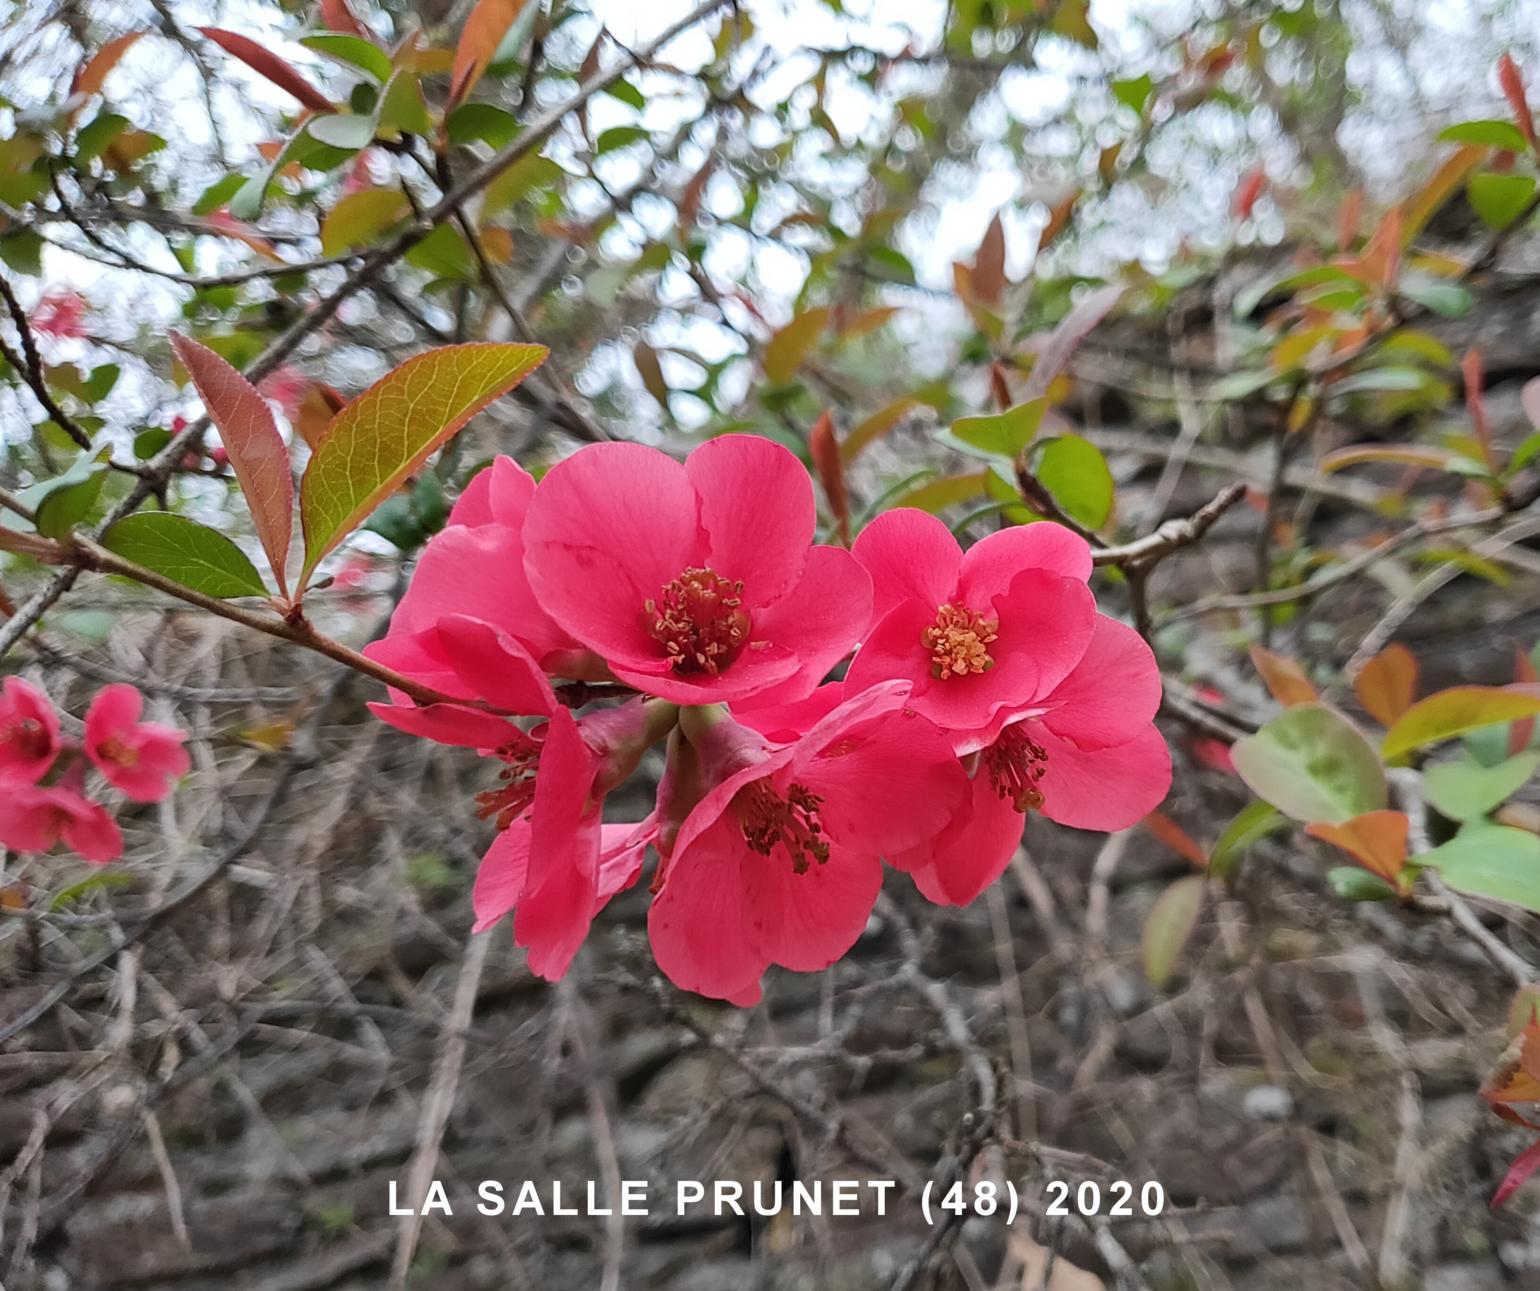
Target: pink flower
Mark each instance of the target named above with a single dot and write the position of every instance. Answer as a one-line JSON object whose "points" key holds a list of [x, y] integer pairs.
{"points": [[553, 864], [475, 567], [1086, 756], [979, 634], [60, 314], [779, 861], [140, 759], [29, 733], [285, 387], [696, 582], [34, 817]]}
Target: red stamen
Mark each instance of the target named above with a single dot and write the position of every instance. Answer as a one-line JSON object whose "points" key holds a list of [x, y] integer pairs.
{"points": [[793, 822], [700, 620], [1016, 763], [521, 757]]}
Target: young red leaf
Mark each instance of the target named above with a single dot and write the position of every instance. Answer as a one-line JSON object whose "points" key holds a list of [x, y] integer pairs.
{"points": [[1524, 1165], [825, 451], [338, 17], [1512, 82], [257, 451], [1387, 685], [484, 30], [1376, 840], [1176, 838], [263, 61], [1248, 192], [1285, 679], [386, 433], [989, 265], [1470, 368], [93, 72]]}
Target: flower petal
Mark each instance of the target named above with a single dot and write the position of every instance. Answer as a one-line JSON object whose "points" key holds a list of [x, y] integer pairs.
{"points": [[991, 563], [910, 555], [498, 495], [757, 511], [470, 728], [696, 922], [807, 921], [608, 528], [971, 852], [89, 829], [495, 667], [500, 878], [1111, 695], [1104, 789], [751, 673]]}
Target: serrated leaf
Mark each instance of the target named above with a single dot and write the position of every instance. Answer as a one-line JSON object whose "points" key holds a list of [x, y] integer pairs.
{"points": [[1169, 927], [256, 449], [1466, 789], [1312, 764], [358, 218], [1491, 861], [1457, 710], [386, 433], [186, 552], [789, 346]]}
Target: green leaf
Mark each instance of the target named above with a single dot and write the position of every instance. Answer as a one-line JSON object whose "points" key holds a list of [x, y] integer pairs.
{"points": [[352, 51], [1353, 884], [359, 218], [402, 108], [1134, 91], [93, 139], [789, 346], [444, 253], [186, 552], [523, 177], [385, 434], [1457, 710], [1491, 861], [1005, 433], [218, 193], [1497, 134], [948, 490], [1250, 825], [66, 507], [1382, 378], [482, 123], [1499, 199], [1169, 927], [1311, 763], [617, 137], [23, 252], [1075, 472], [1465, 790], [346, 130], [1446, 299]]}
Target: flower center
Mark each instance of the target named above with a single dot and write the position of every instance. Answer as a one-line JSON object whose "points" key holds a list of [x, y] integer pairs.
{"points": [[767, 819], [114, 750], [958, 642], [1016, 763], [28, 735], [700, 620], [515, 793]]}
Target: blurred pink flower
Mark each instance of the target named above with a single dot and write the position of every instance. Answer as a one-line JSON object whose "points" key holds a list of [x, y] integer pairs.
{"points": [[29, 733], [140, 759], [60, 315], [35, 817]]}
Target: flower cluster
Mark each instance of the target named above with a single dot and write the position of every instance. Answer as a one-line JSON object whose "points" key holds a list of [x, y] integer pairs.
{"points": [[983, 685], [139, 759]]}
